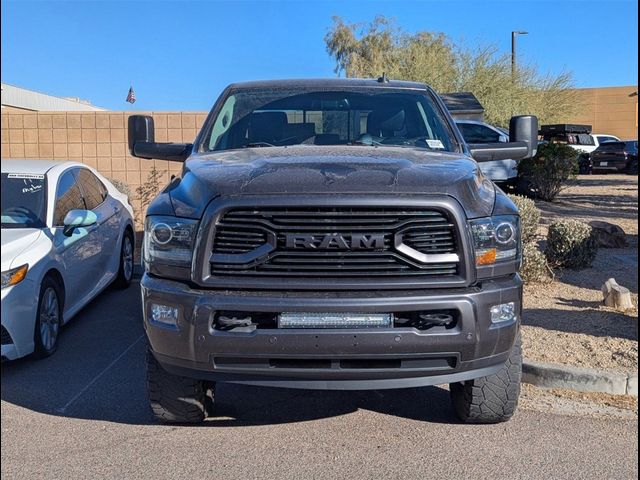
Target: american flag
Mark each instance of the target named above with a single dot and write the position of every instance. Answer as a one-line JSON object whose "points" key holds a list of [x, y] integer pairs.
{"points": [[131, 96]]}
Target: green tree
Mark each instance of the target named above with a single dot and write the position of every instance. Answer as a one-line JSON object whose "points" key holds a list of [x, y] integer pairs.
{"points": [[368, 50]]}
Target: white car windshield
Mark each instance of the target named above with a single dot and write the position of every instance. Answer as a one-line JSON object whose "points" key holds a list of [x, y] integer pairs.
{"points": [[23, 200]]}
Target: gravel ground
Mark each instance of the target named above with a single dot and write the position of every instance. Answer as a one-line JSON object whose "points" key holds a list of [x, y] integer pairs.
{"points": [[569, 402], [565, 321]]}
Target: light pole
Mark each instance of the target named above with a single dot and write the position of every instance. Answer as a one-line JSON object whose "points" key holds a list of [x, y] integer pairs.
{"points": [[513, 52]]}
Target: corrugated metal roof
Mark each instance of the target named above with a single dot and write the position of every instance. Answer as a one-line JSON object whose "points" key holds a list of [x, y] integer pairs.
{"points": [[17, 97]]}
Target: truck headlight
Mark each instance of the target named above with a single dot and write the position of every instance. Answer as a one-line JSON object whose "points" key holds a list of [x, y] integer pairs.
{"points": [[169, 240], [496, 239], [13, 276]]}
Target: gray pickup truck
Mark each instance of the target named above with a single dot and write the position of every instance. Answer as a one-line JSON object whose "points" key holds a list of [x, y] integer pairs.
{"points": [[332, 234]]}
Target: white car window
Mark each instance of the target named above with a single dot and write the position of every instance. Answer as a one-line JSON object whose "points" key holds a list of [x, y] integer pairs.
{"points": [[93, 191], [474, 133], [68, 197]]}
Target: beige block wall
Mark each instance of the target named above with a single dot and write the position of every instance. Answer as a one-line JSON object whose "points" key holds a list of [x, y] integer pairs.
{"points": [[98, 139]]}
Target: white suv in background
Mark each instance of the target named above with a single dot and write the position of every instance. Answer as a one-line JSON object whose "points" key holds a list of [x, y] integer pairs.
{"points": [[502, 172]]}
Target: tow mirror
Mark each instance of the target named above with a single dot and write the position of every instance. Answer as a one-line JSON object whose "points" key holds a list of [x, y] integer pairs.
{"points": [[523, 142], [142, 142]]}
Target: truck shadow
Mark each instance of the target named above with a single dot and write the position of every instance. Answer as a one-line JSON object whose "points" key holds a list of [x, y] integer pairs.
{"points": [[239, 405], [98, 374]]}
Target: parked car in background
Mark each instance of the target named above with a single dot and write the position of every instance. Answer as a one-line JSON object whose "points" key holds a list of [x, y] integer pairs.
{"points": [[67, 233], [599, 138], [503, 172], [578, 137], [616, 157]]}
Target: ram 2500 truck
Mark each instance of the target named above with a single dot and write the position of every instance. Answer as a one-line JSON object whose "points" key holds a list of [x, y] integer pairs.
{"points": [[332, 234]]}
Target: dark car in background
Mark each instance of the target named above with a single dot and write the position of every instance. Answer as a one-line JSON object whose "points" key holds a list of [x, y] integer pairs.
{"points": [[616, 157]]}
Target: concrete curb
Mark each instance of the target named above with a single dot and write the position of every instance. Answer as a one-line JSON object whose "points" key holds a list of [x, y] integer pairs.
{"points": [[549, 375]]}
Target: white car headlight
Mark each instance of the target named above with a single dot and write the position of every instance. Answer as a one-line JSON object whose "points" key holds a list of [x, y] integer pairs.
{"points": [[14, 276], [169, 240], [496, 239]]}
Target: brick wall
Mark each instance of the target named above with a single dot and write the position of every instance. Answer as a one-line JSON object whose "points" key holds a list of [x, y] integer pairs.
{"points": [[98, 139]]}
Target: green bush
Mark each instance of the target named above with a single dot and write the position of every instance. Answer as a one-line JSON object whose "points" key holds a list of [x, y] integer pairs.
{"points": [[535, 268], [122, 187], [571, 244], [550, 171], [529, 217]]}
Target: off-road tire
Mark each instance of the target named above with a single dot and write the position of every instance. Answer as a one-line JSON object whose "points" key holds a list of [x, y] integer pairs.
{"points": [[490, 399], [176, 399], [632, 169]]}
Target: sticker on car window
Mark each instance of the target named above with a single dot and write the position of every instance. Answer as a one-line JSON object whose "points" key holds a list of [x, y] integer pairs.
{"points": [[30, 187], [435, 144], [26, 176]]}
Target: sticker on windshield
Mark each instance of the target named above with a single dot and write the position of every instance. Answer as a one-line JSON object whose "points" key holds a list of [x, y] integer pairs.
{"points": [[32, 187], [26, 176], [435, 144]]}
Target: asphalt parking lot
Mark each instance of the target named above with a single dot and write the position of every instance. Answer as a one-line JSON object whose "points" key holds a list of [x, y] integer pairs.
{"points": [[83, 414]]}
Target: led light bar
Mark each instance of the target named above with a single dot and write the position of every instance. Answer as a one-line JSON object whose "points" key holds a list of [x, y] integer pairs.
{"points": [[335, 320]]}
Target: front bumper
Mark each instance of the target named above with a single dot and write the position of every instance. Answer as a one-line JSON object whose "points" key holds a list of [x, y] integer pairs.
{"points": [[19, 306], [333, 358]]}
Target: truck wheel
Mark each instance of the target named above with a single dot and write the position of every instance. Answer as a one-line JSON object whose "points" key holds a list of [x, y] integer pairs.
{"points": [[632, 169], [176, 399], [493, 398]]}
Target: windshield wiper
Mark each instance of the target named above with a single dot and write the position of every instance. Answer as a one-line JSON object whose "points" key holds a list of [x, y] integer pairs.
{"points": [[257, 144]]}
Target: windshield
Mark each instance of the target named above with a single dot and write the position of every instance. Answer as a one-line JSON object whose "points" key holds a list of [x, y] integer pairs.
{"points": [[281, 117], [23, 200]]}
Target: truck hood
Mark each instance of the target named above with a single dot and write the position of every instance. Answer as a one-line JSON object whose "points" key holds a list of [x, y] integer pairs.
{"points": [[309, 170], [14, 242]]}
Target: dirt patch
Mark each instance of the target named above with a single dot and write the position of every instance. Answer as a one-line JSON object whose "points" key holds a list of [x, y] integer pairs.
{"points": [[568, 402], [564, 321]]}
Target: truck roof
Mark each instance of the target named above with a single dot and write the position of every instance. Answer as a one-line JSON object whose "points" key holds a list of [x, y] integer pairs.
{"points": [[329, 82]]}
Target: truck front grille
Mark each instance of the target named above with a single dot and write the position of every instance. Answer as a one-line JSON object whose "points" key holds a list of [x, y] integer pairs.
{"points": [[335, 242]]}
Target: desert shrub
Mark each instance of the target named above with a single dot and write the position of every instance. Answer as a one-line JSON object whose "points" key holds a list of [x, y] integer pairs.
{"points": [[149, 189], [550, 171], [122, 187], [571, 244], [529, 217], [535, 268]]}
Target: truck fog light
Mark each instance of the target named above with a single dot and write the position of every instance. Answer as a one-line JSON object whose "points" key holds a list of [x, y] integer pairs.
{"points": [[505, 312], [164, 314]]}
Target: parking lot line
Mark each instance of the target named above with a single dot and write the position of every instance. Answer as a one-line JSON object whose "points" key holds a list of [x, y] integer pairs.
{"points": [[97, 377]]}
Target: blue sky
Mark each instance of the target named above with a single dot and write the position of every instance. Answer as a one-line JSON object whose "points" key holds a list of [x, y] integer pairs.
{"points": [[179, 55]]}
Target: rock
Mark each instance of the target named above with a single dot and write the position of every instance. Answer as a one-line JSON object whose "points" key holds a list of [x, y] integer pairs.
{"points": [[616, 296], [608, 234]]}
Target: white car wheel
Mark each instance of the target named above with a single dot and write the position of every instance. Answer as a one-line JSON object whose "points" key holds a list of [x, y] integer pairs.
{"points": [[125, 272], [49, 319]]}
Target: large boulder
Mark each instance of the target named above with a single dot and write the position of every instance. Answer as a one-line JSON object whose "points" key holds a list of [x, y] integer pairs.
{"points": [[608, 234]]}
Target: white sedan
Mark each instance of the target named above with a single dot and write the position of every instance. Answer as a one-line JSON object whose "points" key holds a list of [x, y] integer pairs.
{"points": [[67, 233]]}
